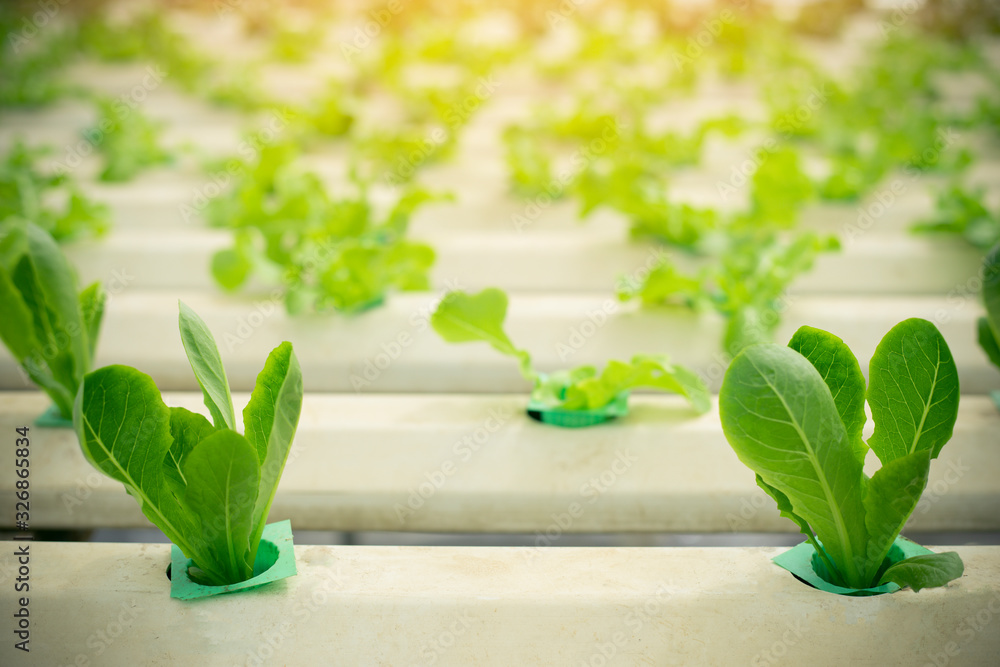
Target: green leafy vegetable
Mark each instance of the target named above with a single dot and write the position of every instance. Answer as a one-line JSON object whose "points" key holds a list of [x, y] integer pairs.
{"points": [[462, 318], [988, 327], [794, 415], [28, 193], [49, 327], [964, 213], [206, 362], [147, 36], [328, 254], [295, 45], [32, 62], [583, 388], [928, 571], [208, 488], [745, 282], [128, 140]]}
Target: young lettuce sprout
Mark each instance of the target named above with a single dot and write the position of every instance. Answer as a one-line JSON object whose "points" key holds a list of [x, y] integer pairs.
{"points": [[208, 488], [795, 415], [462, 318]]}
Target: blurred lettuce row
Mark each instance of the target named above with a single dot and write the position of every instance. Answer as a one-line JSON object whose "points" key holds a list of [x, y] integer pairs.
{"points": [[964, 212], [852, 134], [326, 253], [47, 197]]}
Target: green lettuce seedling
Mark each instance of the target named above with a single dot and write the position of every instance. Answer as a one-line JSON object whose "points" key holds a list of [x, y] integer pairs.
{"points": [[49, 327], [208, 488], [329, 254], [745, 283], [128, 140], [989, 325], [963, 212], [51, 201], [795, 415], [462, 318]]}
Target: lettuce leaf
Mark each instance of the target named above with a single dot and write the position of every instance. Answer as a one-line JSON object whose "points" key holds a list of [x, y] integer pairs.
{"points": [[462, 318], [585, 389]]}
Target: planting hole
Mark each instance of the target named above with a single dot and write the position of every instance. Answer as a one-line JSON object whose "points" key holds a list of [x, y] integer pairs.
{"points": [[267, 556]]}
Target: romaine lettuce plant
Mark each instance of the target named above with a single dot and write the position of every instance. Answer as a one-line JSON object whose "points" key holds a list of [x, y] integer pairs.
{"points": [[462, 318], [208, 488], [795, 415], [50, 329]]}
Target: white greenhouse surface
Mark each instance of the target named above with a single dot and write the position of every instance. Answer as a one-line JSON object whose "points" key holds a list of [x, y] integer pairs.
{"points": [[393, 348], [478, 464], [108, 604], [588, 260]]}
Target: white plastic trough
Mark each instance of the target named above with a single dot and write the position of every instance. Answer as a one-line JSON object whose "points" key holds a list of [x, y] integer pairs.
{"points": [[109, 604], [581, 260], [393, 348], [444, 463]]}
